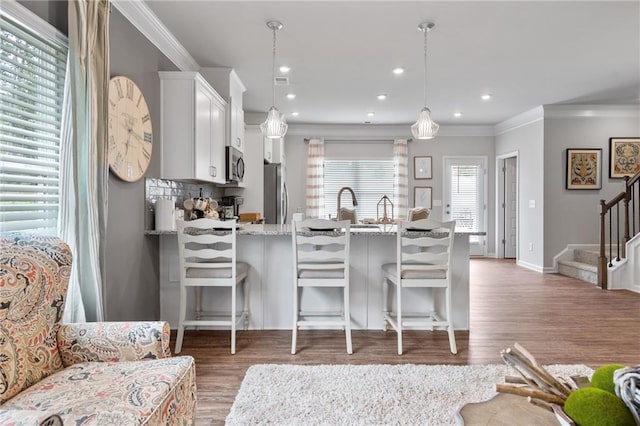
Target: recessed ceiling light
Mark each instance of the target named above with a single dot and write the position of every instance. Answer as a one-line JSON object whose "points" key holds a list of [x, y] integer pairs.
{"points": [[291, 95], [486, 96], [371, 114], [284, 69], [295, 114], [382, 97], [398, 71], [457, 114]]}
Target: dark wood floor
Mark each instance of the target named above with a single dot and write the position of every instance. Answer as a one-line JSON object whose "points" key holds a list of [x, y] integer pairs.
{"points": [[559, 319]]}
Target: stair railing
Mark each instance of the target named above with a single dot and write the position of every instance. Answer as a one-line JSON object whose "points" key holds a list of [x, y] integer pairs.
{"points": [[611, 226]]}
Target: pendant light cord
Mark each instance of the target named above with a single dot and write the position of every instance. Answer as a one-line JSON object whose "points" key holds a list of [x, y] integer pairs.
{"points": [[425, 67], [273, 71]]}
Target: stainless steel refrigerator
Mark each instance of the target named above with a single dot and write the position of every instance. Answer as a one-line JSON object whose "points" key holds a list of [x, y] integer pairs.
{"points": [[276, 200]]}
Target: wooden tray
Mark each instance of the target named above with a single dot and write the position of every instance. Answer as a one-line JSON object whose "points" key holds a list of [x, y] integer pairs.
{"points": [[504, 410]]}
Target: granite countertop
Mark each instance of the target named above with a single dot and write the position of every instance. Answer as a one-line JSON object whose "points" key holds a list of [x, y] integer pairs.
{"points": [[266, 229]]}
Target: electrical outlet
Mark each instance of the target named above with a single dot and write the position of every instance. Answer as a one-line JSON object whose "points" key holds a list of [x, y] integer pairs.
{"points": [[530, 246]]}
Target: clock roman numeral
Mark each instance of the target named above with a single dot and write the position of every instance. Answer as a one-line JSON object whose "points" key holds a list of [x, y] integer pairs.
{"points": [[147, 154], [112, 142], [140, 168], [119, 89], [139, 100], [130, 89], [146, 118], [148, 137], [118, 163], [129, 170]]}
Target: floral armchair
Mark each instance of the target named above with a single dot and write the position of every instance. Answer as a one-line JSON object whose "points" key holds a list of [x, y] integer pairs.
{"points": [[79, 374]]}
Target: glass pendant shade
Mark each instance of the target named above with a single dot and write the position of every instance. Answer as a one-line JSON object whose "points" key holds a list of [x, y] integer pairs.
{"points": [[275, 126], [425, 127]]}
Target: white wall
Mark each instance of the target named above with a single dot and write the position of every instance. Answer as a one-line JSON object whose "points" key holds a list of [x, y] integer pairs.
{"points": [[572, 216], [528, 141]]}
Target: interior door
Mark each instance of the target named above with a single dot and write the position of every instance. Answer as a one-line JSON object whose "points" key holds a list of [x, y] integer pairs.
{"points": [[510, 208], [464, 198]]}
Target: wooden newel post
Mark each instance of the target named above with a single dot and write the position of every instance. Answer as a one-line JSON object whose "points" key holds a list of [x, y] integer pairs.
{"points": [[602, 259]]}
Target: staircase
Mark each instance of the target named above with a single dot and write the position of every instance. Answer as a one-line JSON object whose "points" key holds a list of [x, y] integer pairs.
{"points": [[583, 266]]}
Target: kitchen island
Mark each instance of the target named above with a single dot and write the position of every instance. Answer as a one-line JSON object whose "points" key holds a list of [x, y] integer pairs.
{"points": [[268, 251]]}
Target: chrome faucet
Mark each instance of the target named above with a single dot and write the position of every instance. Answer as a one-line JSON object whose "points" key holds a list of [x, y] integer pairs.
{"points": [[353, 199]]}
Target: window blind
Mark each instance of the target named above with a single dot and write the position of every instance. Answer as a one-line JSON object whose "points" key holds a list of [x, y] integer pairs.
{"points": [[31, 95], [465, 197], [369, 179]]}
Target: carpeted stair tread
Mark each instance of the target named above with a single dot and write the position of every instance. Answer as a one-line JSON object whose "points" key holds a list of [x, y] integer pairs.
{"points": [[578, 270], [579, 265], [586, 256]]}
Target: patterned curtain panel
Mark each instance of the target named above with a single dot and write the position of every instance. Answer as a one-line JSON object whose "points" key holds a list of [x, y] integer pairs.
{"points": [[315, 179], [400, 178], [85, 158]]}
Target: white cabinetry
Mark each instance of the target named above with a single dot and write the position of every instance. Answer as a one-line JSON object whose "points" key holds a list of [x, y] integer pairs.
{"points": [[192, 128], [230, 87]]}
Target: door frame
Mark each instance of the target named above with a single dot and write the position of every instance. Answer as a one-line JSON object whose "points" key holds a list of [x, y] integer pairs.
{"points": [[485, 195], [500, 199]]}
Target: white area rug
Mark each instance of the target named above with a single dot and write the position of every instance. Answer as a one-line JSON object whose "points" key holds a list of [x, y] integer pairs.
{"points": [[367, 394]]}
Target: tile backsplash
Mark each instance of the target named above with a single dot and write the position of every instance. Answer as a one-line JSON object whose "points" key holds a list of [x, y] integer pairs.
{"points": [[178, 191]]}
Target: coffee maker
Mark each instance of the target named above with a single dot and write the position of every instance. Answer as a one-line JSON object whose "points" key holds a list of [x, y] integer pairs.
{"points": [[230, 206]]}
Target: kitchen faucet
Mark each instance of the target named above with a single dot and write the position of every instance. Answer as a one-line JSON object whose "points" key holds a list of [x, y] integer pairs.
{"points": [[353, 199]]}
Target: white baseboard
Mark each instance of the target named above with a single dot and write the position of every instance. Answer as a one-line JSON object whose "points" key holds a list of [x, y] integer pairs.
{"points": [[530, 266]]}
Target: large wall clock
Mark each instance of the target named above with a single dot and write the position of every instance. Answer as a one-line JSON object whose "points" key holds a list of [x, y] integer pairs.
{"points": [[130, 130]]}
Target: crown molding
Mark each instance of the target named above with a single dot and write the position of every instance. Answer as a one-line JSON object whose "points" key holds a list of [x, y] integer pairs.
{"points": [[591, 111], [520, 120], [27, 18], [143, 18]]}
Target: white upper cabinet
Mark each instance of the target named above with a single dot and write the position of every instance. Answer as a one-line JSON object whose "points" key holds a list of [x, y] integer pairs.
{"points": [[228, 84], [192, 128]]}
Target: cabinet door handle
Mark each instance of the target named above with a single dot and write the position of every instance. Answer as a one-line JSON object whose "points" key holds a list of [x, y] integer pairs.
{"points": [[213, 171]]}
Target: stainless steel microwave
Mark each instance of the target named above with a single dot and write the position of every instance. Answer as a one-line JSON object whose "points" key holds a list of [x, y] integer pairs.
{"points": [[234, 165]]}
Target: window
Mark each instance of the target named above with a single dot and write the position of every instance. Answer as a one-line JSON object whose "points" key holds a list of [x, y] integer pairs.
{"points": [[369, 179], [31, 94], [464, 196]]}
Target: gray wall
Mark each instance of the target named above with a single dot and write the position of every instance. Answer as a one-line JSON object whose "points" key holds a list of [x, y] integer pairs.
{"points": [[132, 277], [52, 11], [572, 216], [528, 141]]}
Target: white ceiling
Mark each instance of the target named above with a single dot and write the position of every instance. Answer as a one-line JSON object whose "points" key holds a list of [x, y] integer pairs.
{"points": [[341, 55]]}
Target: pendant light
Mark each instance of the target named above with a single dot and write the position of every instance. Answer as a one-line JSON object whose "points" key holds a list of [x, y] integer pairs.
{"points": [[425, 127], [275, 126]]}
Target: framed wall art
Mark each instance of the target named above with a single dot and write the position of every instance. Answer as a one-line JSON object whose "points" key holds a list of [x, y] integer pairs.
{"points": [[422, 167], [584, 168], [624, 157], [422, 196]]}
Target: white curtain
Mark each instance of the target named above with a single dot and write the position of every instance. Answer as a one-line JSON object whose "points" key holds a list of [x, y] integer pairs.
{"points": [[73, 307], [84, 159], [400, 178], [315, 179]]}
